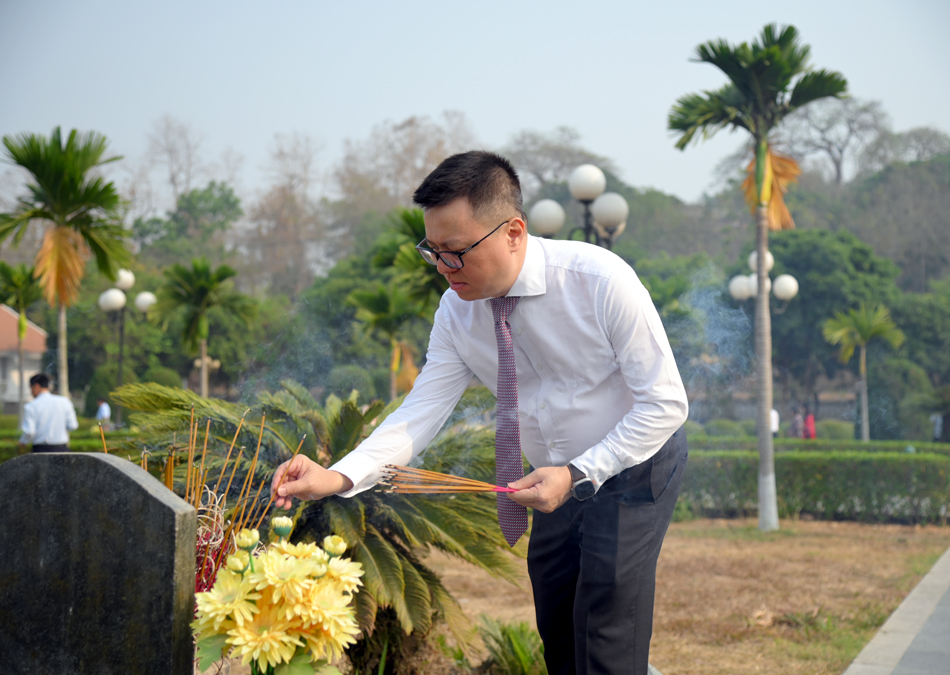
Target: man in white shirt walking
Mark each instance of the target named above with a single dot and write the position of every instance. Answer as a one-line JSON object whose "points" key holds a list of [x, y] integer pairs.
{"points": [[569, 341], [47, 419]]}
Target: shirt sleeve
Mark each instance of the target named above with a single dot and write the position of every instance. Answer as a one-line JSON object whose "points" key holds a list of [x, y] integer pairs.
{"points": [[28, 425], [633, 327], [408, 430], [71, 422]]}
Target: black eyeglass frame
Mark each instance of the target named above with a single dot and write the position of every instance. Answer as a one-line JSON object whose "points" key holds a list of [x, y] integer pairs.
{"points": [[437, 255]]}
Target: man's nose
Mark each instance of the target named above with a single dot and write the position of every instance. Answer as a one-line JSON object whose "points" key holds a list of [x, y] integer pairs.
{"points": [[442, 268]]}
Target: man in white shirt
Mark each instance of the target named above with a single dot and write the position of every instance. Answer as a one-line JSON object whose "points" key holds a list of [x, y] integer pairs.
{"points": [[47, 419], [774, 422], [104, 414], [599, 403]]}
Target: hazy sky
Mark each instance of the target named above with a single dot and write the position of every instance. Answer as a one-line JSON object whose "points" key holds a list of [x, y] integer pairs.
{"points": [[239, 72]]}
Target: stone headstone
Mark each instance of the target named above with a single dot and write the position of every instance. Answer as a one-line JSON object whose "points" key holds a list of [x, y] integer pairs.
{"points": [[97, 568]]}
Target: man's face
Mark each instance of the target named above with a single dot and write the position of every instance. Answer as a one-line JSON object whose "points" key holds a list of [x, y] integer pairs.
{"points": [[35, 390], [492, 267]]}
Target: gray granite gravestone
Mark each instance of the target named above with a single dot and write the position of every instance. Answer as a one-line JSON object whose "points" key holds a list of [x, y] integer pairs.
{"points": [[97, 568]]}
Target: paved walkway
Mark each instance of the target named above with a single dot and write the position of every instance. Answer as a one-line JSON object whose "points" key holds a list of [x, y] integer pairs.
{"points": [[915, 640]]}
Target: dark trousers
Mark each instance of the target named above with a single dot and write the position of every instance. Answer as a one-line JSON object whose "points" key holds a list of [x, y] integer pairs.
{"points": [[42, 447], [593, 568]]}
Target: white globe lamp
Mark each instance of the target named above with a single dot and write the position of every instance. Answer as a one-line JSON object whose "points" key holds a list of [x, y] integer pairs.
{"points": [[739, 288], [144, 301], [587, 182], [124, 280], [754, 261], [610, 209], [785, 287], [546, 217], [754, 285], [112, 300]]}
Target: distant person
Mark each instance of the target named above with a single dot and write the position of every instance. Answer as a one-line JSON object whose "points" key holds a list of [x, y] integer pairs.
{"points": [[47, 419], [774, 420], [104, 415], [809, 426], [797, 428], [937, 420]]}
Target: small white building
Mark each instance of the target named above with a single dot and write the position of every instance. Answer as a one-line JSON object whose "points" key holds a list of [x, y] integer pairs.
{"points": [[34, 346]]}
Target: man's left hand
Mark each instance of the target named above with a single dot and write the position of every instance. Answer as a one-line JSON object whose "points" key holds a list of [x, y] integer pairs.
{"points": [[543, 489]]}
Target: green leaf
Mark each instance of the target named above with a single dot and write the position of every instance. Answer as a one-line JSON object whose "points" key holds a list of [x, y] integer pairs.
{"points": [[210, 649]]}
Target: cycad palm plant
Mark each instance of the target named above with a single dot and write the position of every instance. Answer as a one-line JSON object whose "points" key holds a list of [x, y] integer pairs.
{"points": [[424, 285], [768, 79], [389, 534], [193, 293], [19, 289], [855, 329], [82, 213]]}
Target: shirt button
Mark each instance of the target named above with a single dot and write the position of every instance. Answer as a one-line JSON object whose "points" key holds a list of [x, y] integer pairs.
{"points": [[518, 330], [540, 366], [542, 406]]}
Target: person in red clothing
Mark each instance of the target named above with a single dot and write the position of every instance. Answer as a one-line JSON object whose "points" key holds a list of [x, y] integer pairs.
{"points": [[809, 424]]}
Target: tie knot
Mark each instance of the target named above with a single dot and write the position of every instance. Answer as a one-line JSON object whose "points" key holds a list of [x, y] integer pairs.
{"points": [[501, 307]]}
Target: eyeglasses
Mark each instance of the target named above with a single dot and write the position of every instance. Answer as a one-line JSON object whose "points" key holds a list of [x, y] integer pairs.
{"points": [[451, 259]]}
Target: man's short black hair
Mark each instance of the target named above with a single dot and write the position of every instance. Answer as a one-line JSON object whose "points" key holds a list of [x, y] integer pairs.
{"points": [[41, 380], [488, 181]]}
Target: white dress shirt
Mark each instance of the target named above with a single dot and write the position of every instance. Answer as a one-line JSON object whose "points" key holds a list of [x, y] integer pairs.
{"points": [[47, 420], [597, 382], [104, 412]]}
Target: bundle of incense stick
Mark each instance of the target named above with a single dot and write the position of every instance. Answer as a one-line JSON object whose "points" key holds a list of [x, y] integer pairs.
{"points": [[407, 481]]}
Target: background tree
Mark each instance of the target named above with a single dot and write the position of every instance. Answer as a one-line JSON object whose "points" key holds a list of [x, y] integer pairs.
{"points": [[768, 79], [19, 289], [82, 213], [836, 129], [856, 329], [192, 293], [547, 159]]}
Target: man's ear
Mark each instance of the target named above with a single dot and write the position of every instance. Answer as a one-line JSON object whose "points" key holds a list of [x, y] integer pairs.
{"points": [[516, 233]]}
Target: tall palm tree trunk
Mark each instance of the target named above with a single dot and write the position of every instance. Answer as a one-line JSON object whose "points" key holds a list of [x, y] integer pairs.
{"points": [[204, 368], [63, 374], [19, 349], [865, 415], [768, 503]]}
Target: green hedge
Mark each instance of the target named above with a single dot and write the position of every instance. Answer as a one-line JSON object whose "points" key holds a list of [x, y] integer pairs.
{"points": [[872, 487], [699, 442]]}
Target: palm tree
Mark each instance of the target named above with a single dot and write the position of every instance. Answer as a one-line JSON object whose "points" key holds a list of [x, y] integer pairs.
{"points": [[768, 79], [384, 310], [81, 210], [857, 328], [19, 289], [423, 283], [390, 535], [193, 293]]}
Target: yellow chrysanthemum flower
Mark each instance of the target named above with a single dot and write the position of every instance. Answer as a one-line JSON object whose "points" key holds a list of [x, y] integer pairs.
{"points": [[286, 576], [345, 574], [265, 639], [299, 550], [334, 545], [329, 644], [230, 598]]}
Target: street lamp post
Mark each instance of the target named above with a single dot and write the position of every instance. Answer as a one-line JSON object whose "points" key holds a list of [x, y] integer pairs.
{"points": [[114, 300], [605, 213]]}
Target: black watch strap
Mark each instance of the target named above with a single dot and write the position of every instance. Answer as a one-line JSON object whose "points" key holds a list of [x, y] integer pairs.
{"points": [[576, 474]]}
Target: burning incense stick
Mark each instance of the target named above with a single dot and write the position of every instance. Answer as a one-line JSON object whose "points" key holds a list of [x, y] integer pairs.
{"points": [[233, 441], [407, 480], [102, 434], [282, 479], [201, 470]]}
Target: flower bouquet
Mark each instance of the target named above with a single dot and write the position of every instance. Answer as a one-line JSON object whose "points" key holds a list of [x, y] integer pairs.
{"points": [[284, 608]]}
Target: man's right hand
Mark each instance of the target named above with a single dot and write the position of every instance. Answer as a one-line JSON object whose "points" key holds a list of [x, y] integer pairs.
{"points": [[306, 480]]}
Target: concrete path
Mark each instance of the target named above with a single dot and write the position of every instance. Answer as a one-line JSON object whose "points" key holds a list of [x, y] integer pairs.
{"points": [[915, 640]]}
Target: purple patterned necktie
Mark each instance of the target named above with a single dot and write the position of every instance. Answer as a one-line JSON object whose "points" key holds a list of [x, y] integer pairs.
{"points": [[512, 517]]}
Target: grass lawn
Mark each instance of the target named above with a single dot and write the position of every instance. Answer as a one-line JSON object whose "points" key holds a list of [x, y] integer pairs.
{"points": [[732, 600]]}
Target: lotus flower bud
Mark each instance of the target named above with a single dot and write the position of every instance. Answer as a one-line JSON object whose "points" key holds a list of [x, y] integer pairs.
{"points": [[247, 539], [334, 545], [282, 526], [319, 570], [237, 562]]}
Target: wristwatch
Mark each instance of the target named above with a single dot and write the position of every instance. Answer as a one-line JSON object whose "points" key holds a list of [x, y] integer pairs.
{"points": [[582, 487]]}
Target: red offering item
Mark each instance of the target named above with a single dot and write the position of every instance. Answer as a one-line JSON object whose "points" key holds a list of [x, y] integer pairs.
{"points": [[406, 480]]}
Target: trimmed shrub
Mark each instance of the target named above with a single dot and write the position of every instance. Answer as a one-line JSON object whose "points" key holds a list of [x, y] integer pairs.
{"points": [[103, 383], [749, 427], [693, 429], [834, 429], [162, 375], [871, 487], [724, 428], [818, 445]]}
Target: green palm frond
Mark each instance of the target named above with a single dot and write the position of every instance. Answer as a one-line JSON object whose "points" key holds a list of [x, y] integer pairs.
{"points": [[857, 327]]}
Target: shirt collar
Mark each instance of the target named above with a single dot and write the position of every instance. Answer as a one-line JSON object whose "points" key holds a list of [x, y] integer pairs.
{"points": [[531, 279]]}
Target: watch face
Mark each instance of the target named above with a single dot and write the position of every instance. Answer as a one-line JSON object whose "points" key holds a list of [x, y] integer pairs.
{"points": [[583, 489]]}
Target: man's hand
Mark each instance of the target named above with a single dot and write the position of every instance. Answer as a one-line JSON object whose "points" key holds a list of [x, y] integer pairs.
{"points": [[543, 489], [306, 480]]}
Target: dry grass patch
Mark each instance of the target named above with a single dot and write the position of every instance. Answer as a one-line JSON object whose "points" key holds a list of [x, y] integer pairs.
{"points": [[733, 600]]}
